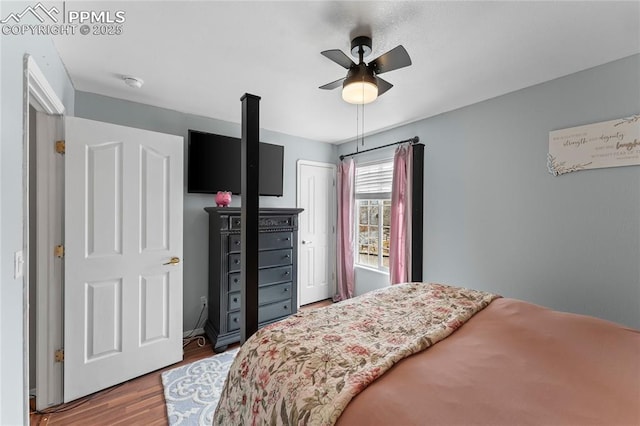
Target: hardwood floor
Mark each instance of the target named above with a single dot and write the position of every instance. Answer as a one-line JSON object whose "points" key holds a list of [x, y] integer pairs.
{"points": [[137, 402]]}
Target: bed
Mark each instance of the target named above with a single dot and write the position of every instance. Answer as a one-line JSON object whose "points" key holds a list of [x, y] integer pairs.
{"points": [[417, 353]]}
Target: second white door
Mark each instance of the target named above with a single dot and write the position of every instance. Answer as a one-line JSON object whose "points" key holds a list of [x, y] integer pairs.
{"points": [[316, 231]]}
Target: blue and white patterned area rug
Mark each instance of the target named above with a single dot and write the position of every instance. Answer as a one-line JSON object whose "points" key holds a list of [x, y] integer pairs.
{"points": [[192, 391]]}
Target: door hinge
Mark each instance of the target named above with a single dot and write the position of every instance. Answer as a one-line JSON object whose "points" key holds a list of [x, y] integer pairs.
{"points": [[58, 355], [60, 147], [58, 251]]}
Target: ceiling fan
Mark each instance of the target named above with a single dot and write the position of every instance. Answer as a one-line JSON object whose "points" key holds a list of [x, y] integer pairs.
{"points": [[362, 84]]}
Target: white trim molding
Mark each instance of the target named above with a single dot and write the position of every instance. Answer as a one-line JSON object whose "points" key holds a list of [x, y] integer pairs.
{"points": [[37, 92], [40, 90]]}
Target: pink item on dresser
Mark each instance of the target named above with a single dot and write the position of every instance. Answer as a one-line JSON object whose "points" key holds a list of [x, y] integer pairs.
{"points": [[223, 198]]}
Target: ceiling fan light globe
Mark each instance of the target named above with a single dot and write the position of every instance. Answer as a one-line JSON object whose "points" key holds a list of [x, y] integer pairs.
{"points": [[359, 92]]}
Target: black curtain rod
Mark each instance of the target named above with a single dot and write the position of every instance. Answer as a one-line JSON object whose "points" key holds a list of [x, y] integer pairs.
{"points": [[414, 140]]}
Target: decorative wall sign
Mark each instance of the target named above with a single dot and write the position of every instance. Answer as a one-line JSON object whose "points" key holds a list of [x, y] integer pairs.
{"points": [[608, 144]]}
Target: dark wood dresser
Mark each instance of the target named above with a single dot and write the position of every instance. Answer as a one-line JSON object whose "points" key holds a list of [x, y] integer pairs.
{"points": [[277, 276]]}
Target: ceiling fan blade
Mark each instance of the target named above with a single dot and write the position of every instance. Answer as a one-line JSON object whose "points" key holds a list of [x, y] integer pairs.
{"points": [[383, 85], [333, 84], [339, 57], [392, 60]]}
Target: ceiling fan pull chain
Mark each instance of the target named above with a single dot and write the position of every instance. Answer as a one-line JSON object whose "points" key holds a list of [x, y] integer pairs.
{"points": [[363, 125], [362, 109], [357, 126]]}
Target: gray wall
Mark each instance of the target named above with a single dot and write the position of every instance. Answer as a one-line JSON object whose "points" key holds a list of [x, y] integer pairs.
{"points": [[102, 108], [496, 220], [13, 49]]}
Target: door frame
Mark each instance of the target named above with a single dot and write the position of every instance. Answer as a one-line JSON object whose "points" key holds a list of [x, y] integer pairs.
{"points": [[38, 93], [334, 217]]}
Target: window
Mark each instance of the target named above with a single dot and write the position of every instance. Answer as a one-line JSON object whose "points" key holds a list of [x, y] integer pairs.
{"points": [[373, 222]]}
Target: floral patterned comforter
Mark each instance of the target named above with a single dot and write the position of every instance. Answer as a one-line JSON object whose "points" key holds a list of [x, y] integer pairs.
{"points": [[306, 368]]}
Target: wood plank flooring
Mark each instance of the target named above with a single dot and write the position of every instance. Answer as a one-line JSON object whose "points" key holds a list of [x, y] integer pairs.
{"points": [[137, 402]]}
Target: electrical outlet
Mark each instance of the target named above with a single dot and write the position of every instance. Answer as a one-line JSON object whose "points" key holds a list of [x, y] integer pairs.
{"points": [[203, 300]]}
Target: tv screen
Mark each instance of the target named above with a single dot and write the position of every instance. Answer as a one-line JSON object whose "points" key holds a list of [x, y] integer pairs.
{"points": [[214, 165]]}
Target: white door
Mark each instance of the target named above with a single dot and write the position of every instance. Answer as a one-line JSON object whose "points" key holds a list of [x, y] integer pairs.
{"points": [[316, 231], [123, 224]]}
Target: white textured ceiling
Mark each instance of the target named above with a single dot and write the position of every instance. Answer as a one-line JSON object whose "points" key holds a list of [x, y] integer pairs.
{"points": [[200, 57]]}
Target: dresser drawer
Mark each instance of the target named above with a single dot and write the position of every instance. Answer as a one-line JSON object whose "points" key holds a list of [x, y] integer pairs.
{"points": [[234, 243], [265, 222], [274, 293], [233, 301], [266, 241], [234, 281], [266, 259], [268, 294], [275, 240], [233, 321], [274, 310], [274, 275], [265, 276], [265, 313]]}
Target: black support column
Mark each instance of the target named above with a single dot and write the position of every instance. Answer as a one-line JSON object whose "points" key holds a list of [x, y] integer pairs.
{"points": [[417, 200], [249, 215]]}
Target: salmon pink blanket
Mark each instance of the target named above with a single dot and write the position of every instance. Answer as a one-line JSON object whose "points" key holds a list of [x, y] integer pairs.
{"points": [[306, 368], [513, 363]]}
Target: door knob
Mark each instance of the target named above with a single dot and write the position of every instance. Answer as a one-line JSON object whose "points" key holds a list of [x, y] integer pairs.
{"points": [[173, 261]]}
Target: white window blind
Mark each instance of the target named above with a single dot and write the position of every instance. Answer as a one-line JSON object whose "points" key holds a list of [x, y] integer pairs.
{"points": [[373, 181]]}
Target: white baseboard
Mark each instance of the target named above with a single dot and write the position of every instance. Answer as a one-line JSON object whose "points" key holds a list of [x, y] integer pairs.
{"points": [[196, 332]]}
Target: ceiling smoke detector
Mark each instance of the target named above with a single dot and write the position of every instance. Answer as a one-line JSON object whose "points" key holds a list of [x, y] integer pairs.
{"points": [[134, 82]]}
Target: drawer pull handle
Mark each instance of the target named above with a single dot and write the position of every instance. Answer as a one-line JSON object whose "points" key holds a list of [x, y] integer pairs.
{"points": [[235, 300], [286, 289], [286, 307], [235, 320], [287, 256], [235, 280], [286, 239], [287, 272], [237, 262], [237, 243]]}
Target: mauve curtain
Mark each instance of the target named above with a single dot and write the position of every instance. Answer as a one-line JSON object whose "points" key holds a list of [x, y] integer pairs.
{"points": [[346, 217], [400, 243]]}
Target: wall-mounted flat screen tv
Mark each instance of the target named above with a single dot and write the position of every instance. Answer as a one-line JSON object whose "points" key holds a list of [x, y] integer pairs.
{"points": [[214, 165]]}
